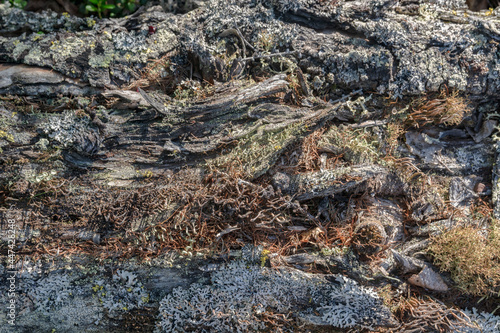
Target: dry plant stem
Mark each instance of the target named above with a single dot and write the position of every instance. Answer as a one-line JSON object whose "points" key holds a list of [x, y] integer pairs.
{"points": [[267, 56], [426, 314], [449, 110], [310, 159]]}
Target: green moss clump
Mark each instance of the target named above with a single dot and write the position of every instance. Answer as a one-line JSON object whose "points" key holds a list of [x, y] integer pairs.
{"points": [[257, 152], [472, 260], [357, 146]]}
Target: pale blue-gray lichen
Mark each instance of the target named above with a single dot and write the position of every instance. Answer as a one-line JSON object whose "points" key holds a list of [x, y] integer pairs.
{"points": [[481, 322], [82, 300], [91, 51], [70, 131], [14, 19], [241, 292], [252, 21]]}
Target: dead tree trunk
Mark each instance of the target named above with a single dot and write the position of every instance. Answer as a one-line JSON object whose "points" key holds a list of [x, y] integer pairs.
{"points": [[287, 123]]}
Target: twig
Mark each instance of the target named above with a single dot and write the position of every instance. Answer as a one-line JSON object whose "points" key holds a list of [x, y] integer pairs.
{"points": [[154, 103], [265, 56], [238, 33], [344, 98], [370, 123]]}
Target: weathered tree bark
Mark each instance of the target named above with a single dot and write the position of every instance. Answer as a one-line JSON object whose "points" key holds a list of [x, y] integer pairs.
{"points": [[270, 122]]}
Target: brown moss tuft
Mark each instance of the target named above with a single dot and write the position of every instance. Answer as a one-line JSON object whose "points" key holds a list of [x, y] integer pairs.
{"points": [[428, 315], [310, 158], [448, 109]]}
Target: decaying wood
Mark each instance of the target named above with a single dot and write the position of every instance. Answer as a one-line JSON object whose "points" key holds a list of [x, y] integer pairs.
{"points": [[289, 123]]}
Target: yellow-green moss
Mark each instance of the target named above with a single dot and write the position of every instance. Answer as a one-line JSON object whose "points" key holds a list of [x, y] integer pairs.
{"points": [[472, 260], [356, 145], [258, 151]]}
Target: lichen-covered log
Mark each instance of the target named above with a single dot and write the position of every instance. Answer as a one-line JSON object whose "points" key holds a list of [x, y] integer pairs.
{"points": [[411, 48], [342, 137]]}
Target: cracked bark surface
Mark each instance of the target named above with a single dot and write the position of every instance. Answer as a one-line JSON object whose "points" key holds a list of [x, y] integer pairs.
{"points": [[104, 116]]}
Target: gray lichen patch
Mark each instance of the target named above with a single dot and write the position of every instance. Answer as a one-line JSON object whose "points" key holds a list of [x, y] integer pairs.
{"points": [[13, 19], [72, 131], [69, 298], [464, 158], [241, 294], [89, 54], [253, 22], [422, 58], [321, 9], [86, 294], [35, 174], [124, 292], [343, 61], [415, 40], [481, 322], [7, 122], [452, 4]]}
